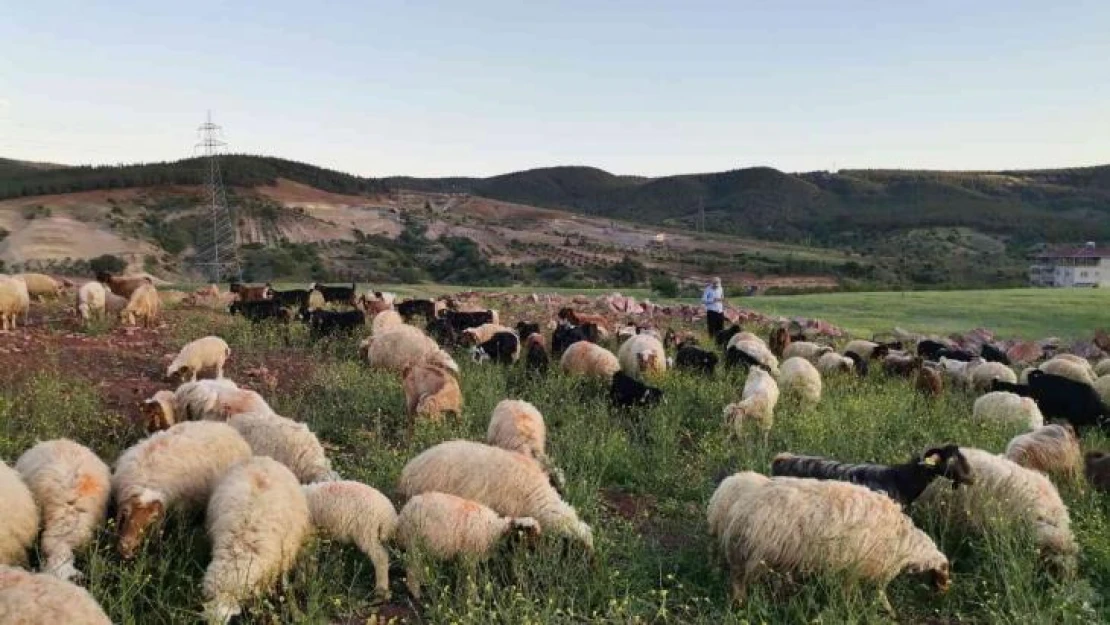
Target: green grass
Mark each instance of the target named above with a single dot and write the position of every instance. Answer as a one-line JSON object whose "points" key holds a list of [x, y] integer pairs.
{"points": [[653, 567]]}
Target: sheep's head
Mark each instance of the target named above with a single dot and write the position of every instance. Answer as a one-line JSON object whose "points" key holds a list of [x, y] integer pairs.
{"points": [[881, 351], [949, 462], [469, 337], [137, 514], [157, 412], [177, 371], [648, 360]]}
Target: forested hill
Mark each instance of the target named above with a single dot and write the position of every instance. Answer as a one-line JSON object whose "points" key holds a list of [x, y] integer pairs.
{"points": [[19, 179], [828, 208]]}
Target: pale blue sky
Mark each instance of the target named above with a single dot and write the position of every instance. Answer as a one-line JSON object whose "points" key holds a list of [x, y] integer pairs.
{"points": [[485, 87]]}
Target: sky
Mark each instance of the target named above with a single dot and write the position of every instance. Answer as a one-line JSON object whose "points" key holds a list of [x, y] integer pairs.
{"points": [[432, 88]]}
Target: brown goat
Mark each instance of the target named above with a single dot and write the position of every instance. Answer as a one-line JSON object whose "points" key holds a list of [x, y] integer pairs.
{"points": [[778, 341], [928, 382]]}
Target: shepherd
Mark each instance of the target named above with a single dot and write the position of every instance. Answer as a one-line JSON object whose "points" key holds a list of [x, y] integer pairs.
{"points": [[714, 300]]}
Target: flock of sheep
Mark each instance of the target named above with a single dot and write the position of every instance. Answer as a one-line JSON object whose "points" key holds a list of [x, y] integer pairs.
{"points": [[266, 482]]}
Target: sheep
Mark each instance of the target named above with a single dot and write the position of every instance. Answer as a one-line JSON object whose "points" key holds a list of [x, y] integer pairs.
{"points": [[257, 521], [991, 353], [1005, 490], [804, 349], [536, 358], [579, 318], [1102, 368], [1050, 449], [41, 286], [385, 320], [14, 303], [144, 305], [431, 391], [1004, 407], [983, 375], [588, 359], [403, 346], [626, 391], [694, 358], [413, 307], [518, 426], [1058, 397], [353, 512], [176, 467], [293, 298], [1102, 388], [482, 333], [868, 350], [510, 483], [261, 310], [461, 321], [445, 527], [565, 336], [503, 349], [316, 301], [1069, 368], [750, 352], [34, 599], [798, 376], [928, 382], [902, 365], [90, 301], [833, 362], [746, 336], [1096, 466], [930, 349], [250, 292], [210, 400], [71, 486], [959, 371], [209, 352], [757, 403], [903, 483], [726, 494], [19, 525], [335, 294], [724, 336], [642, 355], [323, 323], [790, 524], [286, 441], [123, 286], [778, 341]]}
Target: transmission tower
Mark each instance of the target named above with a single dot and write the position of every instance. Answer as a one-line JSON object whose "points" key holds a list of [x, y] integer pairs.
{"points": [[217, 246]]}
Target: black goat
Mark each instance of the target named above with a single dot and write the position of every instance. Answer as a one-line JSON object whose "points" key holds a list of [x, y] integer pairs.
{"points": [[293, 298], [566, 335], [413, 307], [961, 355], [443, 332], [259, 310], [501, 349], [694, 358], [930, 349], [336, 294], [990, 353], [903, 483], [464, 320], [724, 336], [1061, 398], [327, 322], [627, 392]]}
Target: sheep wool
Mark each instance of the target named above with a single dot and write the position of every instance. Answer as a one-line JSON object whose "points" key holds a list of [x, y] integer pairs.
{"points": [[588, 359], [257, 521], [287, 441], [19, 525], [727, 493], [1102, 368], [804, 349], [862, 348], [510, 483], [40, 285], [90, 300], [798, 376], [384, 321], [353, 512], [1102, 387], [757, 403], [445, 526], [756, 349], [483, 333], [834, 363], [1069, 368], [209, 400], [176, 467], [1005, 407], [210, 352], [792, 524], [71, 486], [983, 375], [14, 303], [518, 426], [144, 305], [642, 355], [1050, 449], [1005, 491], [35, 599], [431, 391], [405, 346]]}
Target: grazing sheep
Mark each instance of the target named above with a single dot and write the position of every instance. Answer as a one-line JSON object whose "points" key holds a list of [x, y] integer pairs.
{"points": [[797, 376], [930, 349], [404, 346], [322, 323], [353, 512], [902, 365], [40, 286], [725, 336], [123, 286], [642, 355], [518, 426], [385, 320], [482, 333], [510, 483], [459, 321], [1096, 466], [536, 358], [982, 376], [286, 441], [579, 318], [250, 292], [503, 349], [34, 599], [527, 328], [209, 400], [804, 349], [626, 391], [14, 303], [257, 521], [1102, 387], [209, 352], [991, 353], [176, 467], [412, 307], [19, 525], [293, 298], [1006, 491], [144, 305], [928, 382], [868, 350], [260, 310], [1050, 449], [431, 391], [833, 362], [903, 483], [693, 358], [1063, 398], [790, 524], [336, 294], [749, 352], [1103, 367], [726, 494], [90, 301], [564, 336], [71, 486], [757, 403], [588, 359], [1069, 368], [445, 527], [959, 371], [1003, 407]]}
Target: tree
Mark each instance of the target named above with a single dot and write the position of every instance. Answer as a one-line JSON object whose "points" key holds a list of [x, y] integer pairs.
{"points": [[664, 286], [108, 263]]}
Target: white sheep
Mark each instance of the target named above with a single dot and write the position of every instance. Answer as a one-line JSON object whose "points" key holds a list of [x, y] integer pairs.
{"points": [[287, 441], [210, 400], [835, 363], [518, 426], [757, 350], [41, 286], [1050, 449], [861, 347], [986, 373], [588, 359], [385, 320], [353, 512], [257, 521], [757, 403], [959, 371], [1005, 491], [1102, 387], [445, 527], [642, 355], [483, 333], [822, 526], [404, 346], [19, 524], [35, 599], [745, 336], [1069, 368], [71, 486], [431, 391], [1102, 368], [14, 302], [1005, 407], [176, 467], [144, 305], [804, 349], [209, 352], [798, 376], [726, 494], [510, 483], [90, 300]]}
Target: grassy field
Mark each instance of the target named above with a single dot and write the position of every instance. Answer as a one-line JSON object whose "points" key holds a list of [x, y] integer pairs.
{"points": [[641, 480]]}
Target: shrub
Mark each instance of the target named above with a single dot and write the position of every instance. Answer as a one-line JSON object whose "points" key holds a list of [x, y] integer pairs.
{"points": [[108, 262]]}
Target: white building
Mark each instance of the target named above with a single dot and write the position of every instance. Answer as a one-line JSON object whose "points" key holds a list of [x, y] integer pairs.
{"points": [[1087, 266]]}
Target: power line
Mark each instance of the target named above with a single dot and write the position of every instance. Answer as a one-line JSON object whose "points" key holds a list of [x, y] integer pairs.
{"points": [[217, 247]]}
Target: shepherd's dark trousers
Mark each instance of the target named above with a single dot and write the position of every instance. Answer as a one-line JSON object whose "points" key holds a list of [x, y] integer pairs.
{"points": [[715, 321]]}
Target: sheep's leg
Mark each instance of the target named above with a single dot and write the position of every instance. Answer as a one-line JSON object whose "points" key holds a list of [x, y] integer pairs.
{"points": [[738, 579], [380, 558], [885, 602], [220, 371], [412, 579]]}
